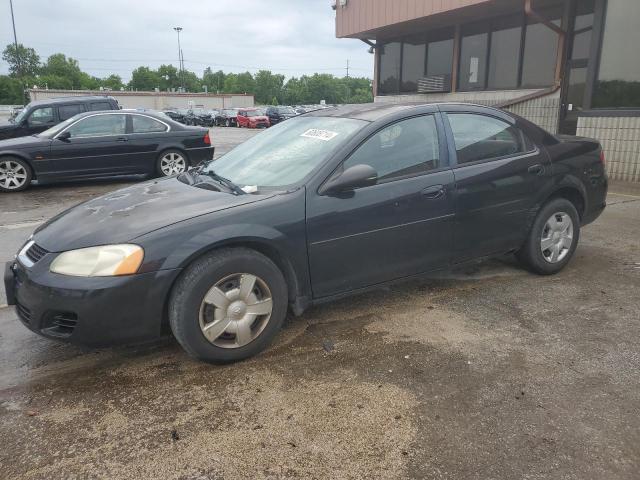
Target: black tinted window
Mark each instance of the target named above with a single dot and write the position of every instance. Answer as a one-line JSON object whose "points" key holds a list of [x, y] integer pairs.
{"points": [[97, 106], [142, 124], [405, 148], [41, 116], [99, 125], [478, 137], [68, 111]]}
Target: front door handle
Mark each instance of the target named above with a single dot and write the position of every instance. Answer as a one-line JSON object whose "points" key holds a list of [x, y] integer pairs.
{"points": [[536, 169], [122, 139], [434, 191]]}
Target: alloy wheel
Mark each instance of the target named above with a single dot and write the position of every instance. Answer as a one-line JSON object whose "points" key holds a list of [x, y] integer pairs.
{"points": [[172, 163], [236, 310], [557, 237], [12, 175]]}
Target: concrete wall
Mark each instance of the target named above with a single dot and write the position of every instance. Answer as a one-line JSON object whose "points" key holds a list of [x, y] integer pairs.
{"points": [[541, 111], [156, 100], [620, 138]]}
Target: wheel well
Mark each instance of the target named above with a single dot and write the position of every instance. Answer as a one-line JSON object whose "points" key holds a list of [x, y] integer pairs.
{"points": [[574, 196], [8, 155]]}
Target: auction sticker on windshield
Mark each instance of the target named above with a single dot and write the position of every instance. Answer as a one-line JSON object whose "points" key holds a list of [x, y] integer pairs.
{"points": [[324, 135]]}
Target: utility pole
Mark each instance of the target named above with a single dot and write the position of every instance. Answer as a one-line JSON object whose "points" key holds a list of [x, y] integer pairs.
{"points": [[348, 92], [15, 40], [180, 63]]}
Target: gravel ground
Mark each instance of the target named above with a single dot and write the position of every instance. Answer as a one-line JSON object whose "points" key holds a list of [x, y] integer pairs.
{"points": [[485, 372]]}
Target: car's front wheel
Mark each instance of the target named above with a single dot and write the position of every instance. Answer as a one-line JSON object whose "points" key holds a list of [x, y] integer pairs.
{"points": [[15, 174], [553, 238], [171, 162], [228, 305]]}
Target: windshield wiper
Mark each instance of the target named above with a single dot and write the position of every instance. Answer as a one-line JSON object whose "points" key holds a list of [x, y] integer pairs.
{"points": [[224, 181]]}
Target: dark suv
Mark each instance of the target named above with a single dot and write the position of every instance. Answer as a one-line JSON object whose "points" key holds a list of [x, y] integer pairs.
{"points": [[279, 114], [41, 115]]}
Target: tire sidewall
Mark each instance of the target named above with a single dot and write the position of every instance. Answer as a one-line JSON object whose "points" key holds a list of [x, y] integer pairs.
{"points": [[186, 299], [27, 168], [534, 252]]}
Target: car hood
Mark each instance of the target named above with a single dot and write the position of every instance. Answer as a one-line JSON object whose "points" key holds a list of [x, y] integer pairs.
{"points": [[126, 214], [6, 129]]}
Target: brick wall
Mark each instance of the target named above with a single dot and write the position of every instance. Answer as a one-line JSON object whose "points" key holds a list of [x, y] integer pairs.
{"points": [[620, 138]]}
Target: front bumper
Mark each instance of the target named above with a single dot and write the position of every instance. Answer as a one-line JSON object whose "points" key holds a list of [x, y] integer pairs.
{"points": [[89, 311]]}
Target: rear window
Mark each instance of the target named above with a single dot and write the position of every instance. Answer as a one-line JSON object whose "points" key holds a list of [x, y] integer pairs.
{"points": [[68, 111], [142, 124], [97, 106]]}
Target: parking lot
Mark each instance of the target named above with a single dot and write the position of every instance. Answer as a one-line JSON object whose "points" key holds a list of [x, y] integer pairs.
{"points": [[485, 372]]}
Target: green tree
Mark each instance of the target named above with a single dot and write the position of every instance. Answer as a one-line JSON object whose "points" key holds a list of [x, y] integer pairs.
{"points": [[114, 82], [213, 80], [143, 78], [169, 77], [11, 91], [58, 65], [239, 83], [268, 86], [22, 61]]}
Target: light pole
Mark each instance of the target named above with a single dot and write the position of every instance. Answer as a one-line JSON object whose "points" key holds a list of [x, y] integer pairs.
{"points": [[179, 29], [15, 39]]}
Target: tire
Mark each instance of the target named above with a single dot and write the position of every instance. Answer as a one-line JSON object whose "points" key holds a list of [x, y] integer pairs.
{"points": [[190, 316], [171, 162], [227, 123], [15, 174], [558, 225]]}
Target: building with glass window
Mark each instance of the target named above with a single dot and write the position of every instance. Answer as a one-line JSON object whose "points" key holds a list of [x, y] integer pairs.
{"points": [[571, 66]]}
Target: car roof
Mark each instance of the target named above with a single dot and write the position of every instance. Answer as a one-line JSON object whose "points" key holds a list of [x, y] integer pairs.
{"points": [[71, 99], [375, 111]]}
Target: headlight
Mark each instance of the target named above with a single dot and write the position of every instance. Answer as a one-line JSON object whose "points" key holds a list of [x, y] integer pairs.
{"points": [[103, 261]]}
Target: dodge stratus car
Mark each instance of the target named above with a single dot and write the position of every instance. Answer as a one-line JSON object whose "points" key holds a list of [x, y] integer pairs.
{"points": [[327, 204]]}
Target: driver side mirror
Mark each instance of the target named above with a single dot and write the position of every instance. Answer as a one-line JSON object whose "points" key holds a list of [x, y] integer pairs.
{"points": [[64, 136], [354, 177]]}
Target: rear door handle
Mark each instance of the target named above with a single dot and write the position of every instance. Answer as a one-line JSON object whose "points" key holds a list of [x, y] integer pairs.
{"points": [[434, 191], [122, 139], [536, 169]]}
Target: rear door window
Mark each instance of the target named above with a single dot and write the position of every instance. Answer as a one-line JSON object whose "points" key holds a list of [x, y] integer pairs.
{"points": [[142, 124], [97, 106], [67, 111], [480, 137]]}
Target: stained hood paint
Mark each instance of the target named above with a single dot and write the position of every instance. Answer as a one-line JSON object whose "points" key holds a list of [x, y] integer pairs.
{"points": [[123, 215]]}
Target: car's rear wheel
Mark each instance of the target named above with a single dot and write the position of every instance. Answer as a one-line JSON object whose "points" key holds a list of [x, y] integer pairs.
{"points": [[172, 162], [227, 123], [15, 174], [553, 238], [228, 305]]}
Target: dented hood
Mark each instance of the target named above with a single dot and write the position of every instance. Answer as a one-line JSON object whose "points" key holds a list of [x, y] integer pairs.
{"points": [[123, 215]]}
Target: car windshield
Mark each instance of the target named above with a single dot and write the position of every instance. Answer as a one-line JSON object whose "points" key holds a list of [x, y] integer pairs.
{"points": [[230, 112], [53, 131], [285, 154], [253, 113], [286, 110]]}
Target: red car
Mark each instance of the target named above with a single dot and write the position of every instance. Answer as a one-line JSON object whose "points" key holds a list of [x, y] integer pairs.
{"points": [[252, 118]]}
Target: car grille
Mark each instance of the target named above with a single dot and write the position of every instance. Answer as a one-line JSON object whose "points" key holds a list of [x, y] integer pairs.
{"points": [[35, 253], [60, 324]]}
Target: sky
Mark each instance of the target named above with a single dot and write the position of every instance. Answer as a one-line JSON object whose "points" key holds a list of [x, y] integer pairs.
{"points": [[292, 37]]}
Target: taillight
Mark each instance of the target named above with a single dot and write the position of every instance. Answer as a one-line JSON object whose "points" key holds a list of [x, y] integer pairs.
{"points": [[602, 157], [207, 139]]}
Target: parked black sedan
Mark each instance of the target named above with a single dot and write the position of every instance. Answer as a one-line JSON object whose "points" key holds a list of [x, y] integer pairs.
{"points": [[324, 205], [102, 144], [227, 118]]}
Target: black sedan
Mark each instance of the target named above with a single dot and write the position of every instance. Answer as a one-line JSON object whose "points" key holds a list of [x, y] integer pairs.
{"points": [[227, 118], [331, 203], [103, 144]]}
